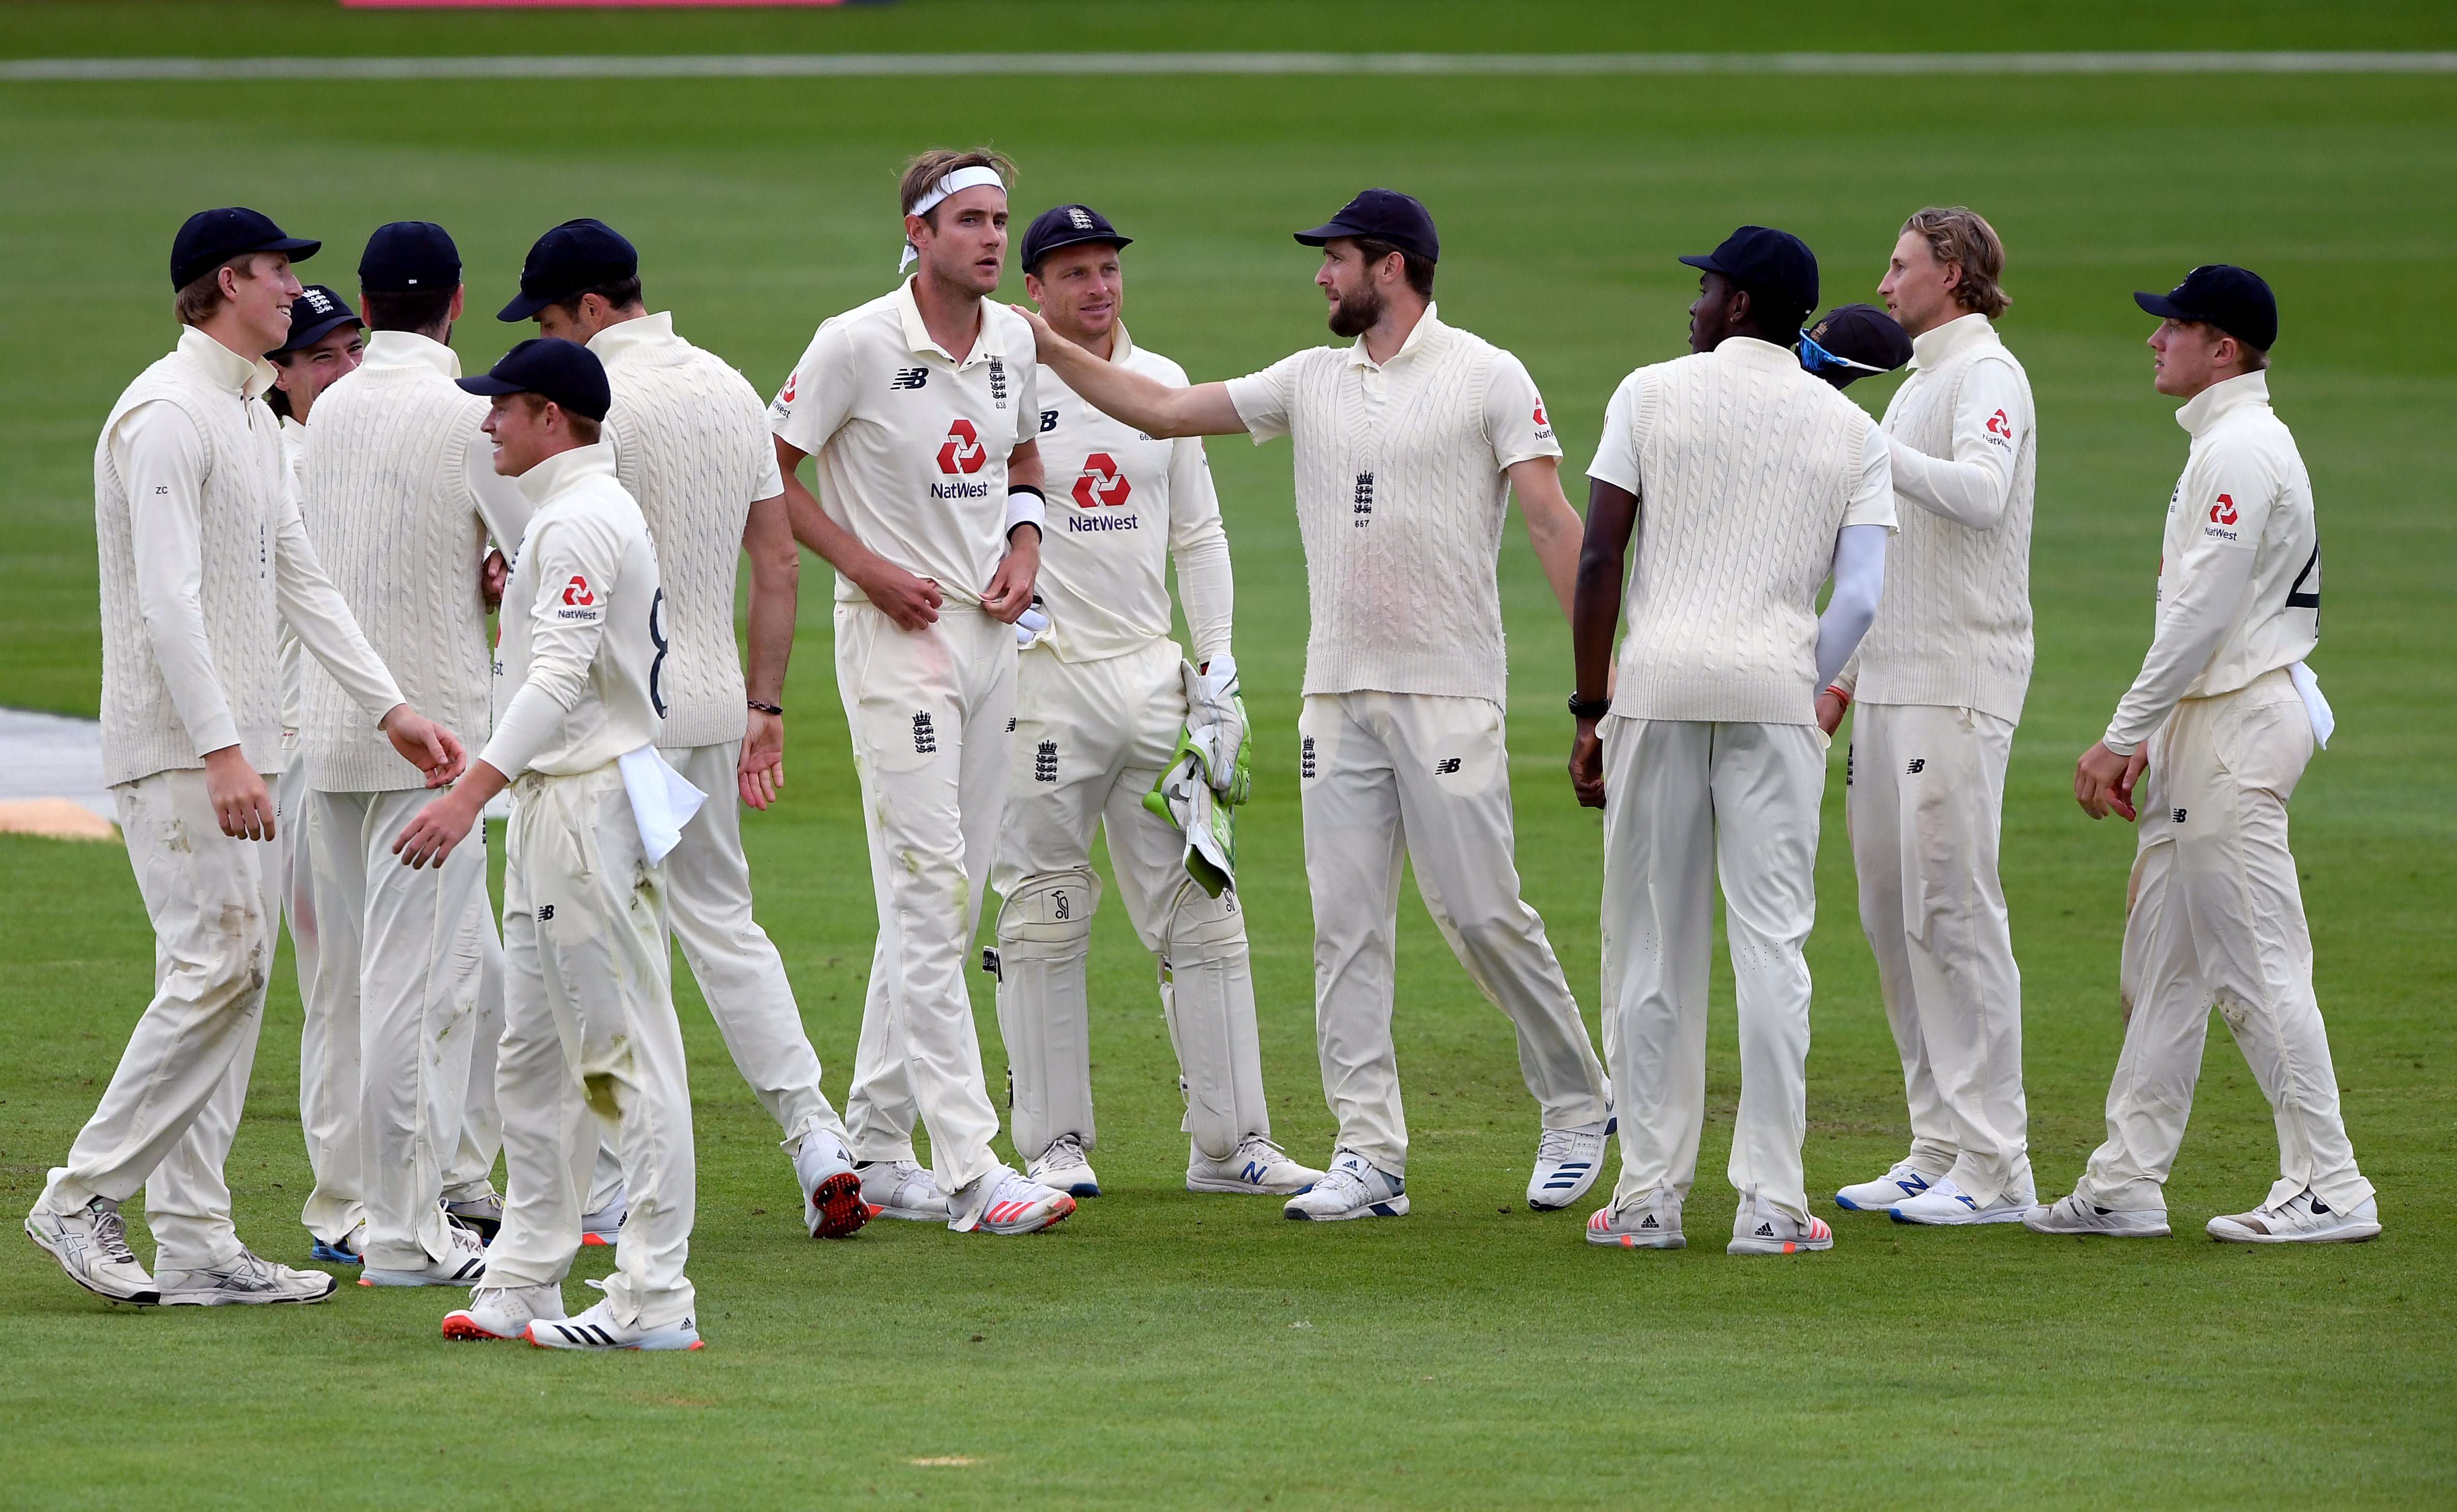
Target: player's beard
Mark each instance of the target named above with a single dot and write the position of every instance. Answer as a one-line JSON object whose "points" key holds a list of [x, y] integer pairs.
{"points": [[1357, 313]]}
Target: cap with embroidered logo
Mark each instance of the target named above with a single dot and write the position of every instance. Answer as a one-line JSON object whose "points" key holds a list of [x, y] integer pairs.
{"points": [[410, 256], [1067, 226], [317, 312]]}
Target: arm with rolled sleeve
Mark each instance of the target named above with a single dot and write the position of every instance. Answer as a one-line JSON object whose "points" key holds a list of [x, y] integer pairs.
{"points": [[1204, 582], [563, 638], [1971, 487], [316, 613], [161, 459], [1263, 399], [2211, 576]]}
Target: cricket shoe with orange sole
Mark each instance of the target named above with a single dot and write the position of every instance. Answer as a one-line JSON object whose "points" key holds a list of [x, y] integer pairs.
{"points": [[1005, 1202], [832, 1204]]}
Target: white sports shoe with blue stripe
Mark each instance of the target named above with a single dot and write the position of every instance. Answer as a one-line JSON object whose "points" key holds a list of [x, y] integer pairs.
{"points": [[1567, 1162], [1255, 1166], [1352, 1187], [1887, 1191]]}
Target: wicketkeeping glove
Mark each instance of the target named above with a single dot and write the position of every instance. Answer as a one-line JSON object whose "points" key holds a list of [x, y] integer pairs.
{"points": [[1215, 727]]}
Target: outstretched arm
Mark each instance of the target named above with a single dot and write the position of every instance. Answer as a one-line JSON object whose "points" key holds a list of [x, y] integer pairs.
{"points": [[1144, 402]]}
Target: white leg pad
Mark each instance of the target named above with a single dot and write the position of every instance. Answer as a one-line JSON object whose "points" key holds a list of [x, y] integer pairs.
{"points": [[1044, 934], [1206, 994]]}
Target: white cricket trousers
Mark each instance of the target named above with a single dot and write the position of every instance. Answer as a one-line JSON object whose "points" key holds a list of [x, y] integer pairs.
{"points": [[404, 959], [1925, 808], [166, 1120], [592, 1049], [929, 711], [1686, 802], [1392, 776], [2214, 916], [1091, 739]]}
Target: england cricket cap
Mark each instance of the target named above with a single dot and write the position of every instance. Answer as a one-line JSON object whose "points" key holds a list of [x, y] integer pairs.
{"points": [[1067, 226], [1384, 215], [316, 314], [212, 237], [565, 372], [2234, 299], [1853, 342], [410, 256], [576, 255], [1761, 258]]}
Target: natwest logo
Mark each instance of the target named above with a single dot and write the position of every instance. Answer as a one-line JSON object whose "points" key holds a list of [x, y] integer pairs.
{"points": [[1540, 413], [1999, 425], [962, 452], [1101, 482], [576, 592], [2223, 512], [785, 395]]}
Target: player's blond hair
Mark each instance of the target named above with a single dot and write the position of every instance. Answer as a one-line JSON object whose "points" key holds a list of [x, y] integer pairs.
{"points": [[200, 298], [925, 171], [1960, 236]]}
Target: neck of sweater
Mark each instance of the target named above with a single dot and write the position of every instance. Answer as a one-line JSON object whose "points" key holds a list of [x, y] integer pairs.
{"points": [[1933, 347], [566, 470], [2222, 399]]}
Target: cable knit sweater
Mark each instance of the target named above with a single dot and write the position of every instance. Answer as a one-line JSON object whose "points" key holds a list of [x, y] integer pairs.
{"points": [[394, 520], [691, 446], [1953, 627]]}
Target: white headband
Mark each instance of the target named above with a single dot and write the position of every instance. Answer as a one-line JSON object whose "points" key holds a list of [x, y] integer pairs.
{"points": [[955, 183]]}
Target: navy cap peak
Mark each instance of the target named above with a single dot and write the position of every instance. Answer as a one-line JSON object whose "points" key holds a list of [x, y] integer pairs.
{"points": [[319, 311], [1384, 215], [2236, 301], [211, 237], [574, 257], [565, 372], [1765, 258]]}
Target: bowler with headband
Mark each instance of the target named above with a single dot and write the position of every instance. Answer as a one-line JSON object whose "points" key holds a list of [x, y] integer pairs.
{"points": [[921, 412]]}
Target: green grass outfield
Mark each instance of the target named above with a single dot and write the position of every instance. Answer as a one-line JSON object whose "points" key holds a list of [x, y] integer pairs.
{"points": [[1166, 1350]]}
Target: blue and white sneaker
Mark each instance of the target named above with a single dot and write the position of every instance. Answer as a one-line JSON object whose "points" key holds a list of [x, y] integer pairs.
{"points": [[597, 1329], [1945, 1203], [1062, 1167], [1568, 1162], [1352, 1187], [1255, 1166], [1904, 1180], [344, 1251]]}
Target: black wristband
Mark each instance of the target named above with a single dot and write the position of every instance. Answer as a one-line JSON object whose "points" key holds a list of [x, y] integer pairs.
{"points": [[1585, 708], [777, 709], [1027, 488]]}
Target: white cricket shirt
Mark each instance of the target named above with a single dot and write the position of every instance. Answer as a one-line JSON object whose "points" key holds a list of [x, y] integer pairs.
{"points": [[912, 442]]}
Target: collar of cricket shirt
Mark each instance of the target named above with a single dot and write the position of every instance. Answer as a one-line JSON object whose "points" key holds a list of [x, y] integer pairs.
{"points": [[243, 375], [409, 349], [988, 343], [2219, 400], [1929, 348], [1750, 352], [623, 338], [564, 469], [1425, 326]]}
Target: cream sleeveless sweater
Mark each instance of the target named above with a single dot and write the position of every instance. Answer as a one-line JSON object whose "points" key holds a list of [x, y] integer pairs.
{"points": [[692, 445], [390, 513], [1953, 626], [1748, 467]]}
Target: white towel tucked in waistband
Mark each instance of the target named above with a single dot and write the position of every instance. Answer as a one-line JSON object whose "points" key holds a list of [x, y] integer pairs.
{"points": [[662, 800]]}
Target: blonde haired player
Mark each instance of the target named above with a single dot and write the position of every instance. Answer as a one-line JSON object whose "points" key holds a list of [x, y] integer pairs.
{"points": [[920, 409], [1937, 686], [1101, 697], [1409, 445]]}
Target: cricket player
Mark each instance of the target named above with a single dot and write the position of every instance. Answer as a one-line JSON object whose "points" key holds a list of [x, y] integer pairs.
{"points": [[2212, 737], [1102, 698], [921, 409], [691, 446], [1936, 690], [1409, 445], [202, 556], [1755, 484], [591, 1047], [401, 498], [326, 343]]}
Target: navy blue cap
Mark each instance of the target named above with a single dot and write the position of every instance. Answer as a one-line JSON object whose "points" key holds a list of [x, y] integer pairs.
{"points": [[212, 237], [1853, 342], [410, 256], [575, 256], [1384, 215], [1774, 261], [2234, 299], [1067, 226], [549, 367], [316, 314]]}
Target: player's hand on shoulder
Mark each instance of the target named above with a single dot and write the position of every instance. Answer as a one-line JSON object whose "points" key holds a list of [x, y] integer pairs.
{"points": [[1043, 336]]}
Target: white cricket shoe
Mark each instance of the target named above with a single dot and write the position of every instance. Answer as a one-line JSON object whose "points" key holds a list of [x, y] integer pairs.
{"points": [[2072, 1213], [92, 1245], [1760, 1228], [246, 1279], [1062, 1167], [596, 1329], [1255, 1166], [461, 1267], [902, 1188], [1352, 1187], [1945, 1203], [1003, 1202], [605, 1226], [1566, 1163], [832, 1203], [503, 1313], [2302, 1218], [1651, 1221], [1904, 1181]]}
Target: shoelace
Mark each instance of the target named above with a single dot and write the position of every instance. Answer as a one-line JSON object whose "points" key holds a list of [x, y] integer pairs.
{"points": [[1255, 1146], [1344, 1181], [110, 1236], [251, 1271], [1065, 1151], [1555, 1144]]}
